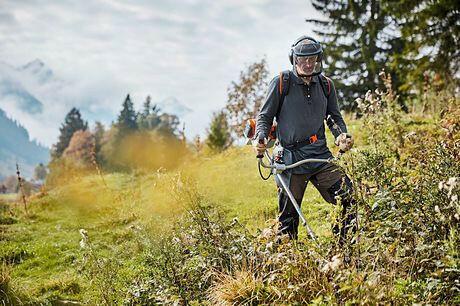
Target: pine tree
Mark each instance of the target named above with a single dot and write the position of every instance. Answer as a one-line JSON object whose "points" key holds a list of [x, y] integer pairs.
{"points": [[73, 122], [149, 118], [360, 38], [431, 30], [99, 132], [153, 120], [126, 122], [219, 137], [147, 107]]}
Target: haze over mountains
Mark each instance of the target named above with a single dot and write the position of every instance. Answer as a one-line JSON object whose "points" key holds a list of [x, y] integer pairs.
{"points": [[16, 147], [34, 102]]}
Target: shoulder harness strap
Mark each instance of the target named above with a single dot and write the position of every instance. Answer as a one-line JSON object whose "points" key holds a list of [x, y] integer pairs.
{"points": [[325, 82], [283, 89]]}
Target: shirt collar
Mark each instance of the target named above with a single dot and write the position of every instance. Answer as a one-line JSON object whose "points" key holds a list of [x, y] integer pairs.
{"points": [[298, 80]]}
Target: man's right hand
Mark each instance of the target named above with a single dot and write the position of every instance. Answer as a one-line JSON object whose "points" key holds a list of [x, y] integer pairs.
{"points": [[260, 145]]}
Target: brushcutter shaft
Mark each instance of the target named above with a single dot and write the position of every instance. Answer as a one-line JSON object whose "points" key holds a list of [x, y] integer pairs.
{"points": [[296, 206]]}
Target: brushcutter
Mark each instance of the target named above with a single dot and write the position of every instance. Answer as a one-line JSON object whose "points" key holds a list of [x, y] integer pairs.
{"points": [[277, 168]]}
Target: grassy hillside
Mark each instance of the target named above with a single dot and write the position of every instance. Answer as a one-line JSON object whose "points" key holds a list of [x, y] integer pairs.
{"points": [[173, 238], [43, 248]]}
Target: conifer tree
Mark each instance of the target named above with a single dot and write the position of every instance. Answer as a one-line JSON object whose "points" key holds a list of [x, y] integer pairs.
{"points": [[359, 38], [431, 30], [219, 137], [147, 106], [99, 132], [73, 122], [149, 118], [126, 122]]}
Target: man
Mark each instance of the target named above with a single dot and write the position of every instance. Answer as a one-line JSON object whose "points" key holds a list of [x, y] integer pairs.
{"points": [[300, 116]]}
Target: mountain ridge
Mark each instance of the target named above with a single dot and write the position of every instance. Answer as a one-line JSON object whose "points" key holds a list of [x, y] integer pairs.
{"points": [[17, 147]]}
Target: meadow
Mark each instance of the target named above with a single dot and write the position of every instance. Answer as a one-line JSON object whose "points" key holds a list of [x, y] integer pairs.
{"points": [[205, 233]]}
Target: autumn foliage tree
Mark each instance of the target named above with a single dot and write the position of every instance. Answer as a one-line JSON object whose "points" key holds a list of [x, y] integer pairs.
{"points": [[80, 148], [246, 95]]}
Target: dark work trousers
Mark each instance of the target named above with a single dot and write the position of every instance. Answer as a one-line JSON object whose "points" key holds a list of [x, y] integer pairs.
{"points": [[333, 185]]}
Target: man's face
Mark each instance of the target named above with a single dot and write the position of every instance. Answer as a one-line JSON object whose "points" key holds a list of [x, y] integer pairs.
{"points": [[306, 64]]}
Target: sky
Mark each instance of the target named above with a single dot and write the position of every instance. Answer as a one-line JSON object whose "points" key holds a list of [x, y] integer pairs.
{"points": [[101, 50]]}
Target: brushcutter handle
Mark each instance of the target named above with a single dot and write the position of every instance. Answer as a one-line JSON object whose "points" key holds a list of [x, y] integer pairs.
{"points": [[261, 147], [282, 167]]}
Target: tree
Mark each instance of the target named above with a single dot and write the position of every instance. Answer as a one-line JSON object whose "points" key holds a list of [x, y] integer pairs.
{"points": [[11, 184], [431, 30], [99, 132], [360, 39], [197, 144], [80, 148], [73, 122], [40, 172], [147, 106], [219, 137], [126, 122], [168, 125], [149, 118], [246, 96]]}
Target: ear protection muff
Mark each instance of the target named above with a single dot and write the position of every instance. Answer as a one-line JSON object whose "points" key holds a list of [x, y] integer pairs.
{"points": [[298, 40]]}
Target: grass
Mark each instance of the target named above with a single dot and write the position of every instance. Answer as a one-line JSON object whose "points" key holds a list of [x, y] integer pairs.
{"points": [[43, 253], [43, 249], [7, 197]]}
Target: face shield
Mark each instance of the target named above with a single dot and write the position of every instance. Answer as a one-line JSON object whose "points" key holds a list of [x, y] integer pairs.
{"points": [[308, 58], [308, 65]]}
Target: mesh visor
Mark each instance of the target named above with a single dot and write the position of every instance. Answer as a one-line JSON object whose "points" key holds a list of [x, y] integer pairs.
{"points": [[308, 65], [307, 48]]}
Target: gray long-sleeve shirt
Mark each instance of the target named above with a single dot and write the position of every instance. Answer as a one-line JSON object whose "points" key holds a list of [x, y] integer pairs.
{"points": [[302, 115]]}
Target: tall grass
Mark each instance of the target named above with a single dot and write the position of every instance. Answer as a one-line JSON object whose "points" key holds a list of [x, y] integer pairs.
{"points": [[198, 235], [407, 247]]}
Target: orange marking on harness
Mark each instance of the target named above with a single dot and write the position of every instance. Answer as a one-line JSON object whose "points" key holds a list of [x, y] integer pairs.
{"points": [[328, 85], [281, 83], [313, 139], [272, 134]]}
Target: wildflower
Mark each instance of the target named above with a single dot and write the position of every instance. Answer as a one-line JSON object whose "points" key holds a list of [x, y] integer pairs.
{"points": [[332, 265], [84, 238]]}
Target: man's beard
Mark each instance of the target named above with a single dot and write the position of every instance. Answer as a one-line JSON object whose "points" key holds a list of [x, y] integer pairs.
{"points": [[304, 77]]}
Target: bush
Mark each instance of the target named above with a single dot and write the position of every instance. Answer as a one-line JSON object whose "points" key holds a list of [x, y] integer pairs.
{"points": [[407, 193]]}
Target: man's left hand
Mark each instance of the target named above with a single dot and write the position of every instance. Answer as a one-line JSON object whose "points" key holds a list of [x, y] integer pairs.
{"points": [[345, 142]]}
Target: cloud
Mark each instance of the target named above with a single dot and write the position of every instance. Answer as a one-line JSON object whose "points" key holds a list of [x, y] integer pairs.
{"points": [[190, 50]]}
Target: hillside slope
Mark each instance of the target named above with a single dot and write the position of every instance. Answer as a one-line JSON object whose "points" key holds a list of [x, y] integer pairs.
{"points": [[16, 146], [172, 238]]}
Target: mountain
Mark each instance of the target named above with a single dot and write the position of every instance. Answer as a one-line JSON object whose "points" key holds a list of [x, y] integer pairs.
{"points": [[16, 146], [38, 70], [12, 89], [173, 106]]}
